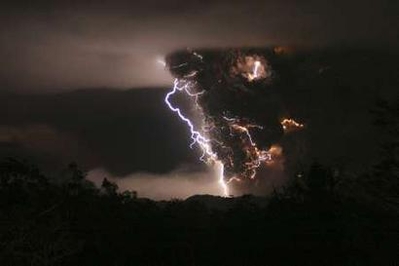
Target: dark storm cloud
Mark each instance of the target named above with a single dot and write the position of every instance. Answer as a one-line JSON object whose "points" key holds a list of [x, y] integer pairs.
{"points": [[49, 45], [40, 138], [331, 91], [120, 131]]}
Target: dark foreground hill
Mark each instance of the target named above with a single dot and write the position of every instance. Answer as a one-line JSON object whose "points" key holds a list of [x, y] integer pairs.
{"points": [[320, 219], [225, 203]]}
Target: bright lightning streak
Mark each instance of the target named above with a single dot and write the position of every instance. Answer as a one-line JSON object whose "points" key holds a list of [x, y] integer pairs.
{"points": [[233, 121], [196, 136], [244, 129], [255, 73], [221, 178], [240, 129], [257, 156]]}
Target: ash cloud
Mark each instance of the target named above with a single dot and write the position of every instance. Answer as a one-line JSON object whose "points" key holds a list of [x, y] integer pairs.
{"points": [[244, 108], [238, 96]]}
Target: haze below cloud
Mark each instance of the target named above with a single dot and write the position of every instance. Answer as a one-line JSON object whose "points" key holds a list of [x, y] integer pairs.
{"points": [[179, 183]]}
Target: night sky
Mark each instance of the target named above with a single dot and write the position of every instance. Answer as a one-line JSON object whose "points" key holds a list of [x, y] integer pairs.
{"points": [[81, 81], [62, 45]]}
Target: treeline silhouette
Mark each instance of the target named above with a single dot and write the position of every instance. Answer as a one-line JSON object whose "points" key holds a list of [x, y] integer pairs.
{"points": [[313, 221], [322, 217]]}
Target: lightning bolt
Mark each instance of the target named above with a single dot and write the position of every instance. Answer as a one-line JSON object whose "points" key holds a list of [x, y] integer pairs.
{"points": [[227, 166], [196, 136], [256, 69]]}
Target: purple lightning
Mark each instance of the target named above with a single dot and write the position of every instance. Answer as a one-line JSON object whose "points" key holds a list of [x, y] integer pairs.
{"points": [[196, 136]]}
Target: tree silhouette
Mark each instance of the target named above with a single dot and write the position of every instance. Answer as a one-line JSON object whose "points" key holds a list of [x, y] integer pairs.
{"points": [[51, 223], [383, 181], [109, 188]]}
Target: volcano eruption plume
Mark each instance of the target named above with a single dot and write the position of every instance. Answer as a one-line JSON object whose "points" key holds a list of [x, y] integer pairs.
{"points": [[241, 115]]}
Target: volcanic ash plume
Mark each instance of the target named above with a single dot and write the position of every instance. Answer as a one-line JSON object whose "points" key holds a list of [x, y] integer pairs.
{"points": [[241, 114]]}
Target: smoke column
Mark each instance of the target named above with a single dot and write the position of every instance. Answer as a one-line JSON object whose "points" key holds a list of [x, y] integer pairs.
{"points": [[242, 115]]}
